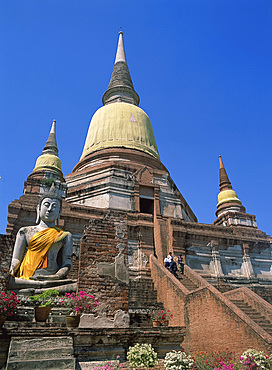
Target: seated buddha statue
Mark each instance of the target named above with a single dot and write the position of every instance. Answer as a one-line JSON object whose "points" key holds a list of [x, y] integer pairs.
{"points": [[47, 260]]}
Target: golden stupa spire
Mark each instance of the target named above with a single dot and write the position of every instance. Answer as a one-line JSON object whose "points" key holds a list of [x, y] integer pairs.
{"points": [[49, 160], [51, 144], [224, 180], [227, 194]]}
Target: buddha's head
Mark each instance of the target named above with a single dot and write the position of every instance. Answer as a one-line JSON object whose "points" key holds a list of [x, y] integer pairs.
{"points": [[49, 207]]}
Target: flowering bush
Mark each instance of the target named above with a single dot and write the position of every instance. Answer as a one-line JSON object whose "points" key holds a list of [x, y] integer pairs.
{"points": [[8, 303], [161, 315], [77, 304], [110, 365], [254, 359], [226, 367], [178, 361], [213, 360], [142, 355]]}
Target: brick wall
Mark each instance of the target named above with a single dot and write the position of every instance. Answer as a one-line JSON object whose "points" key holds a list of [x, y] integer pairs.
{"points": [[6, 248], [213, 323], [161, 238], [99, 244]]}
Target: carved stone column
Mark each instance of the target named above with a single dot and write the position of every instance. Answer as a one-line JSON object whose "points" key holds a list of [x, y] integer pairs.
{"points": [[271, 257], [246, 268], [157, 210], [137, 197], [215, 264]]}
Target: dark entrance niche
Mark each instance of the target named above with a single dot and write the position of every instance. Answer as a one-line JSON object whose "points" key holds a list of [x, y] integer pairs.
{"points": [[147, 205]]}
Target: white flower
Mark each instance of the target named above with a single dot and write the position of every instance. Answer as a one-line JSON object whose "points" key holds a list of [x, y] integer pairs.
{"points": [[178, 361]]}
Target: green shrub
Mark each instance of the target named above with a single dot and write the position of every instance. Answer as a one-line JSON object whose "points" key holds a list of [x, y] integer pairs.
{"points": [[44, 299]]}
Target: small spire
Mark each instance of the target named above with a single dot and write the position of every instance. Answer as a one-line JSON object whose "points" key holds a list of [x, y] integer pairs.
{"points": [[120, 88], [225, 184], [227, 197], [120, 54], [51, 144], [49, 159], [230, 210]]}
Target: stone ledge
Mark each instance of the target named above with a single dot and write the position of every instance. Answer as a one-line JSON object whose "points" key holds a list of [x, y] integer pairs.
{"points": [[100, 344], [36, 329]]}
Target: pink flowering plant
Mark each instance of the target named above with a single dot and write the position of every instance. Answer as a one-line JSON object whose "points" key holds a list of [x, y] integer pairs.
{"points": [[161, 315], [110, 365], [226, 367], [254, 359], [79, 303], [214, 360], [251, 359], [8, 303]]}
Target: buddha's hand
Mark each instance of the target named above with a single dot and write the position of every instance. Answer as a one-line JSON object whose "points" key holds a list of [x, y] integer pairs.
{"points": [[45, 277]]}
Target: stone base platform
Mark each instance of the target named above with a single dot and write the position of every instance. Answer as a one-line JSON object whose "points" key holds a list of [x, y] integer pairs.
{"points": [[88, 345]]}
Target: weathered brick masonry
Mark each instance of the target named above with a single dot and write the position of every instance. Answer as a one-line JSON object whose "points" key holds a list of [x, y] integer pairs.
{"points": [[102, 241], [6, 247]]}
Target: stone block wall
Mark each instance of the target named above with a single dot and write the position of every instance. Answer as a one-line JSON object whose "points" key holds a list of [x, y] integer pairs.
{"points": [[103, 267]]}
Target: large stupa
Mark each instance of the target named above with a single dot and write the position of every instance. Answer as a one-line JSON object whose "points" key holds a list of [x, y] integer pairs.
{"points": [[126, 214]]}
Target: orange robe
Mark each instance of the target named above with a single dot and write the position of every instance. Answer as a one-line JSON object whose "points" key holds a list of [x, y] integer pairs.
{"points": [[37, 254]]}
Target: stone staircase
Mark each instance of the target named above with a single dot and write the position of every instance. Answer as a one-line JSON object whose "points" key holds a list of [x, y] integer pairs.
{"points": [[187, 282], [254, 314], [142, 300], [249, 309], [243, 316], [262, 287], [52, 353]]}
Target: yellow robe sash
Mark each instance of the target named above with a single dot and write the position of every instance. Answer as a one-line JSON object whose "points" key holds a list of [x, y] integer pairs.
{"points": [[38, 247]]}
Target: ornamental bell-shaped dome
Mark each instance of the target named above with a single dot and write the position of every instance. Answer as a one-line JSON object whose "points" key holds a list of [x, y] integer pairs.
{"points": [[120, 122], [49, 160]]}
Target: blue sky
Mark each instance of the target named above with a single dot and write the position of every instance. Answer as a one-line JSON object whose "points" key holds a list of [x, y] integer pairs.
{"points": [[202, 69]]}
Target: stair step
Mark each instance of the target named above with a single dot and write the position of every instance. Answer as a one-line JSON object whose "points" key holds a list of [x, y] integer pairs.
{"points": [[49, 364], [254, 315], [41, 353], [242, 305], [263, 322]]}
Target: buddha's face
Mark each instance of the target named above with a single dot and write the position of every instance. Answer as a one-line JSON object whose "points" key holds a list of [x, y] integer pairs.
{"points": [[50, 209]]}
